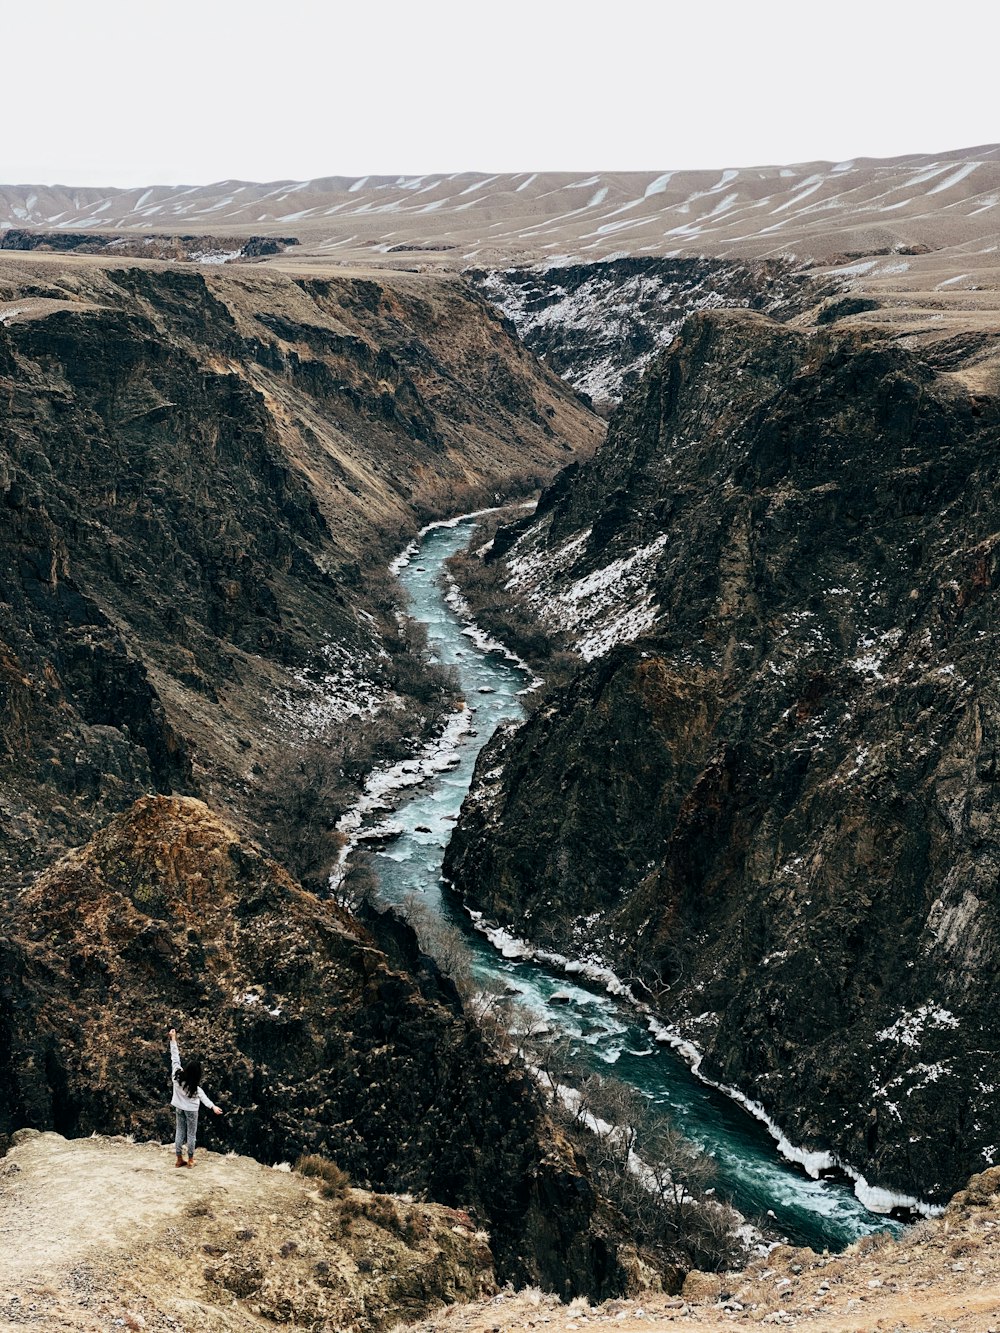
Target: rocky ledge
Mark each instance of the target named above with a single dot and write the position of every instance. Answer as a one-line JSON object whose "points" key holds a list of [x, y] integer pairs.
{"points": [[312, 1040], [110, 1235]]}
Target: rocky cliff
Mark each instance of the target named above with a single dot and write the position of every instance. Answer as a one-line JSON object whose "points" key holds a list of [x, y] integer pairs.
{"points": [[199, 249], [312, 1041], [599, 325], [770, 796], [201, 479]]}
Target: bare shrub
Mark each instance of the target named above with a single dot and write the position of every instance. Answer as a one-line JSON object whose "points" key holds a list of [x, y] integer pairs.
{"points": [[304, 794], [617, 1112], [412, 673], [506, 1025], [457, 496], [552, 1059], [875, 1240], [310, 786], [311, 783], [382, 1210], [656, 1177], [358, 884], [334, 1182], [440, 940]]}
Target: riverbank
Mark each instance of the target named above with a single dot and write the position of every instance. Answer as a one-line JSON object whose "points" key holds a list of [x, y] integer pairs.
{"points": [[817, 1164]]}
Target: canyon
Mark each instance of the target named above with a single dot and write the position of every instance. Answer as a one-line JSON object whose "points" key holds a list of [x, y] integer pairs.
{"points": [[758, 788], [201, 474]]}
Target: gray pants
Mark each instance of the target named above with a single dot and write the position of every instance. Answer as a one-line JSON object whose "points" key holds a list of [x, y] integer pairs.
{"points": [[187, 1127]]}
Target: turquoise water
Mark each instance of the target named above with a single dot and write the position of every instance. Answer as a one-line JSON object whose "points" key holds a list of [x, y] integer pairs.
{"points": [[608, 1035]]}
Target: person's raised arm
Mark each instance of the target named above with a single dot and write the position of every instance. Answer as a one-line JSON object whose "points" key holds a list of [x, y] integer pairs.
{"points": [[175, 1055]]}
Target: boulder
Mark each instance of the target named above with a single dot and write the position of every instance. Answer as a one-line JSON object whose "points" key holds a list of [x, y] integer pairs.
{"points": [[702, 1288]]}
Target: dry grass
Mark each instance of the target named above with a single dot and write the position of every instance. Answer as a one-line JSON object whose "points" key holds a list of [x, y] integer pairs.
{"points": [[103, 1234], [334, 1183]]}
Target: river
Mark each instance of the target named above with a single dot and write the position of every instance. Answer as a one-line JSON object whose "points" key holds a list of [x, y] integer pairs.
{"points": [[609, 1036]]}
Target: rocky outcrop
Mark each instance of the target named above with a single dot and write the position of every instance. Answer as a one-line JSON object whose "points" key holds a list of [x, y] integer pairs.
{"points": [[231, 1244], [775, 807], [202, 476], [199, 248], [943, 1272], [312, 1041], [600, 325]]}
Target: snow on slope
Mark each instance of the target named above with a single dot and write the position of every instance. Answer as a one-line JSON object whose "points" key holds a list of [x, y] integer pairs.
{"points": [[599, 325], [819, 209], [597, 606]]}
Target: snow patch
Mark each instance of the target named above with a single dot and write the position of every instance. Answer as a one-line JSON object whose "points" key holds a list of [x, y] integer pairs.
{"points": [[908, 1029], [601, 608], [658, 186], [957, 176], [343, 687]]}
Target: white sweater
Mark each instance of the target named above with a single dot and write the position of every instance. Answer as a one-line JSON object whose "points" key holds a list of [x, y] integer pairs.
{"points": [[180, 1098]]}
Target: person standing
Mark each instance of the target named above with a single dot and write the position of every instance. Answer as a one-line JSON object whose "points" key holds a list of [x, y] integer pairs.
{"points": [[188, 1096]]}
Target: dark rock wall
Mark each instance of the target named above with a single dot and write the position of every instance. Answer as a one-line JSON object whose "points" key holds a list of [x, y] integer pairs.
{"points": [[147, 245], [599, 325], [781, 801]]}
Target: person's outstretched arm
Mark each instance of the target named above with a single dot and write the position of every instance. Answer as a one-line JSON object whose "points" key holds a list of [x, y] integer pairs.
{"points": [[205, 1100], [175, 1055]]}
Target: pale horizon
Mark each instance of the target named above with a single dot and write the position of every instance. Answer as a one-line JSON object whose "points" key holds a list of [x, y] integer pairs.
{"points": [[116, 96], [590, 168]]}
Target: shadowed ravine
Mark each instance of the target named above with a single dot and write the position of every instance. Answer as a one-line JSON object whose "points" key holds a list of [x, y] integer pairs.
{"points": [[611, 1037]]}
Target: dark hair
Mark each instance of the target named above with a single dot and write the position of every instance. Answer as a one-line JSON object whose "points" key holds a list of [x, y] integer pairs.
{"points": [[189, 1077]]}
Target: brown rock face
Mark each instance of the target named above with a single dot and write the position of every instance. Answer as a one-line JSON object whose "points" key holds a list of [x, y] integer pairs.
{"points": [[310, 1039], [781, 800], [201, 481]]}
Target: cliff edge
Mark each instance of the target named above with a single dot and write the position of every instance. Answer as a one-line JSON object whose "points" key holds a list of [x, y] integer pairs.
{"points": [[110, 1235]]}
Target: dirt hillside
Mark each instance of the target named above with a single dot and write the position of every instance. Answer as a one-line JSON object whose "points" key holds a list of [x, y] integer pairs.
{"points": [[918, 202]]}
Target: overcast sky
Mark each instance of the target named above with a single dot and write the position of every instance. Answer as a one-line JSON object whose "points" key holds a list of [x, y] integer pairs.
{"points": [[127, 92]]}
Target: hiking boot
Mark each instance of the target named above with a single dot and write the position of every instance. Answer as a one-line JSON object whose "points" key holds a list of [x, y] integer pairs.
{"points": [[190, 1161], [180, 1160]]}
